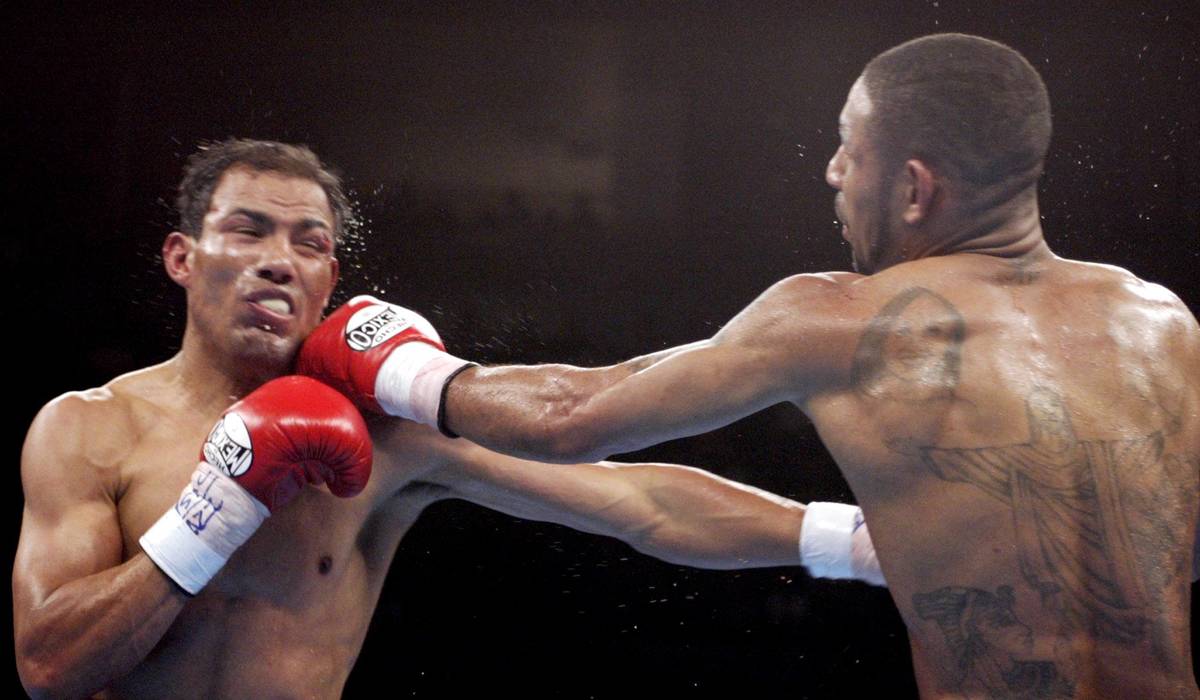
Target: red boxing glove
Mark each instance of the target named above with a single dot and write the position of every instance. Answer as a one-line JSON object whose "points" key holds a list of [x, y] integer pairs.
{"points": [[387, 359], [289, 432]]}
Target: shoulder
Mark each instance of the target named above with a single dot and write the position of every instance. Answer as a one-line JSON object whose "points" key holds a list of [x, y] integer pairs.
{"points": [[802, 331], [826, 307], [89, 421], [813, 286], [406, 451], [80, 433], [800, 302], [1129, 294]]}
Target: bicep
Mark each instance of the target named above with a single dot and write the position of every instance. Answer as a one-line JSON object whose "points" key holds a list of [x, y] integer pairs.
{"points": [[794, 339], [691, 393], [69, 525]]}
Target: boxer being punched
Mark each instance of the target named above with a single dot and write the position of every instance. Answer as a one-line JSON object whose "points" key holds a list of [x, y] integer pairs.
{"points": [[1023, 431], [175, 546]]}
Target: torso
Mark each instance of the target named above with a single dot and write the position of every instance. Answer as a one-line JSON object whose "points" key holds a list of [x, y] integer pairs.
{"points": [[1023, 442], [287, 615]]}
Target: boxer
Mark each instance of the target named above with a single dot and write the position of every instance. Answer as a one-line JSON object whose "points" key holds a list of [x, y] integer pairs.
{"points": [[1022, 430], [205, 528]]}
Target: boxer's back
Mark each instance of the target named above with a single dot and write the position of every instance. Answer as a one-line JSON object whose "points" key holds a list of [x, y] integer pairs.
{"points": [[1023, 440]]}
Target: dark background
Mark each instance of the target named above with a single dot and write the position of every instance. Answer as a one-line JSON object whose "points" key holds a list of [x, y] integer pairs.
{"points": [[547, 182]]}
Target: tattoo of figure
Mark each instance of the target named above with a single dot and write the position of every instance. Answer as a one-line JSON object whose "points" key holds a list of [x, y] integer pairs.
{"points": [[993, 651], [1084, 515], [911, 350]]}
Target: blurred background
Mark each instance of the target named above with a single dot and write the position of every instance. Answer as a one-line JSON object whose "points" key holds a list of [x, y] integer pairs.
{"points": [[577, 182]]}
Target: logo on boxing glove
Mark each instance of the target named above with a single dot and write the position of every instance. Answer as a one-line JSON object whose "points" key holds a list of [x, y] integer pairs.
{"points": [[373, 325], [228, 446]]}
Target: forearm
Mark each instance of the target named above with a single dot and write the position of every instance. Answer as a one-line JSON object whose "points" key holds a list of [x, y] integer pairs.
{"points": [[96, 629], [702, 520], [675, 513], [709, 522], [540, 411]]}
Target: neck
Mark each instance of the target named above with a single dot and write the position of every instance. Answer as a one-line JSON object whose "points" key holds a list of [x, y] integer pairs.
{"points": [[1012, 230], [210, 376]]}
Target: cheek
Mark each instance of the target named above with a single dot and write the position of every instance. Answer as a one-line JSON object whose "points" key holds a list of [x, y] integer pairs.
{"points": [[319, 283], [216, 277]]}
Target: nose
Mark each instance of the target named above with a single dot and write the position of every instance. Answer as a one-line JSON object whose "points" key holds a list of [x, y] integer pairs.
{"points": [[836, 168], [277, 263]]}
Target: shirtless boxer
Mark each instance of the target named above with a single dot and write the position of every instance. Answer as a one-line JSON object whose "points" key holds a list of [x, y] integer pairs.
{"points": [[1021, 430], [112, 471]]}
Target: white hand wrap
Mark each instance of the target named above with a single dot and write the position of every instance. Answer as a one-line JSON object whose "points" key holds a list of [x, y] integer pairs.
{"points": [[409, 384], [835, 543], [194, 539]]}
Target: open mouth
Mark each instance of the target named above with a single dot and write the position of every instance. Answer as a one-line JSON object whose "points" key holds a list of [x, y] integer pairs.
{"points": [[272, 312], [279, 307], [272, 302]]}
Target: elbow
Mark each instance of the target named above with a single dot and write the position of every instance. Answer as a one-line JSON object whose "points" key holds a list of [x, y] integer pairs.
{"points": [[47, 677], [41, 679], [568, 436], [569, 447], [569, 418]]}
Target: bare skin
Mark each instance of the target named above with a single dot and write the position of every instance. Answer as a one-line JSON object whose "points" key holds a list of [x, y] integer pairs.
{"points": [[93, 615], [1022, 431]]}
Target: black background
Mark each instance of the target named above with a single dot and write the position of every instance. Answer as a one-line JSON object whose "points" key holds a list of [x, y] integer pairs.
{"points": [[580, 183]]}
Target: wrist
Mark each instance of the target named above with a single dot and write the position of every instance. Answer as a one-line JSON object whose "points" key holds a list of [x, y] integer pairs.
{"points": [[411, 380], [196, 536], [826, 539]]}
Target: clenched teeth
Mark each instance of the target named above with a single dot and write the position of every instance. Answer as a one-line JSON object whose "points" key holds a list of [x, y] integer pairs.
{"points": [[278, 306]]}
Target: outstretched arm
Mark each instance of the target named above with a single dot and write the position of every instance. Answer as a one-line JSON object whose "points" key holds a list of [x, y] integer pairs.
{"points": [[792, 341], [784, 346], [674, 513]]}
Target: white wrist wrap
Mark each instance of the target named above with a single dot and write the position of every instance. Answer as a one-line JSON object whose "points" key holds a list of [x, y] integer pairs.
{"points": [[194, 539], [835, 543], [409, 384]]}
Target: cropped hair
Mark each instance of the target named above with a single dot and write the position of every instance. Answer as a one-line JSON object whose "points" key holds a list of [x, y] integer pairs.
{"points": [[206, 166], [969, 106]]}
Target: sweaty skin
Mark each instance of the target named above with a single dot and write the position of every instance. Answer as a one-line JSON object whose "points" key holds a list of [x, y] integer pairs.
{"points": [[1022, 431], [287, 615]]}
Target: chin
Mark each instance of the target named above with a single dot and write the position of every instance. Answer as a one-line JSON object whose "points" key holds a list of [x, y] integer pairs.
{"points": [[267, 355]]}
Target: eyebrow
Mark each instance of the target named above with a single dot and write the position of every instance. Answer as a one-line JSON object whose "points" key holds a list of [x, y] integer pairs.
{"points": [[262, 220], [257, 217]]}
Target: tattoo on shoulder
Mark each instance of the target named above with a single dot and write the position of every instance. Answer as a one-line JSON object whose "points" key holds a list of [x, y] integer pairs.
{"points": [[993, 652], [911, 350], [1099, 524]]}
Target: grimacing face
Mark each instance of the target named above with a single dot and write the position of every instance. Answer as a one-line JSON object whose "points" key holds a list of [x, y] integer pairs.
{"points": [[855, 172], [262, 269]]}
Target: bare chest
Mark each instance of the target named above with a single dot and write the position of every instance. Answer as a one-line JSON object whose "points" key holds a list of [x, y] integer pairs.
{"points": [[314, 542], [298, 595]]}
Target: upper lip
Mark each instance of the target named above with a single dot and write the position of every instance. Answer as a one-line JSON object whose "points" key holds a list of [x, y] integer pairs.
{"points": [[270, 293]]}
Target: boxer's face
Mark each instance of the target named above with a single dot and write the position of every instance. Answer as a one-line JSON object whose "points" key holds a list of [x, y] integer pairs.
{"points": [[263, 267], [855, 171]]}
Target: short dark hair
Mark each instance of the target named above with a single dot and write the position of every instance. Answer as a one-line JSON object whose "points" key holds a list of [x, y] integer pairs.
{"points": [[963, 103], [206, 166]]}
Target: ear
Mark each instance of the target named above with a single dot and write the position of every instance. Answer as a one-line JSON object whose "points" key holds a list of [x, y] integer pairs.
{"points": [[177, 257], [334, 271], [920, 193]]}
